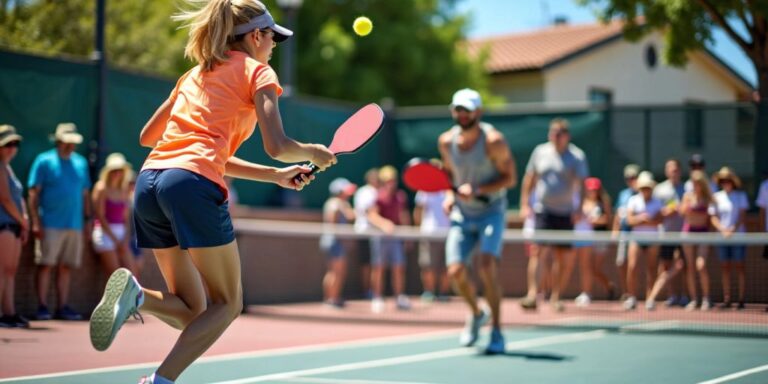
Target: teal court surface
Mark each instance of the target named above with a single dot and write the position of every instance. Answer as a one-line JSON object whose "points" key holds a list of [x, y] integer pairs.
{"points": [[534, 355]]}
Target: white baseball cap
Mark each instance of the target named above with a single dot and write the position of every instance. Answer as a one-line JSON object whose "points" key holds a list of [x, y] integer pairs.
{"points": [[340, 185], [467, 98]]}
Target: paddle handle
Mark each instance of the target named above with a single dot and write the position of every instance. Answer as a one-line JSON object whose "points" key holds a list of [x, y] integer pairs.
{"points": [[312, 169]]}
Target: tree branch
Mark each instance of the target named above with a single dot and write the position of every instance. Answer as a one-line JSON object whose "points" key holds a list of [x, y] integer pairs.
{"points": [[720, 20], [743, 16]]}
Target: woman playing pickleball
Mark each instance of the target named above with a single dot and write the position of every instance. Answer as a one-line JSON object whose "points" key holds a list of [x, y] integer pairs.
{"points": [[181, 197]]}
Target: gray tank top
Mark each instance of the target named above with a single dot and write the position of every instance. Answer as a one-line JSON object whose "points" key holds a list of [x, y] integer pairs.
{"points": [[16, 191], [473, 166]]}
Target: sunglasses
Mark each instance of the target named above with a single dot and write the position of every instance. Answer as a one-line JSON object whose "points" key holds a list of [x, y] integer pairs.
{"points": [[12, 144]]}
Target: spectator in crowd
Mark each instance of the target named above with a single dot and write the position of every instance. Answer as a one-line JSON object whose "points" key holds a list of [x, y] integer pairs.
{"points": [[539, 271], [762, 202], [555, 173], [390, 210], [594, 215], [731, 205], [480, 164], [644, 216], [696, 212], [670, 193], [59, 206], [620, 225], [363, 201], [111, 207], [697, 163], [336, 210], [14, 227], [428, 214]]}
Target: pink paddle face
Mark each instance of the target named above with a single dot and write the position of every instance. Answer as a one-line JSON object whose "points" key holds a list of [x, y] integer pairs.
{"points": [[358, 130], [421, 175]]}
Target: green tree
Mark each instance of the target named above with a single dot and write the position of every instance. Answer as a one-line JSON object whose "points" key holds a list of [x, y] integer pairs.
{"points": [[413, 54], [139, 33], [688, 25]]}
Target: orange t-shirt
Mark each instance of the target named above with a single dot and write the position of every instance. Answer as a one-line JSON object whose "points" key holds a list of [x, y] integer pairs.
{"points": [[212, 115]]}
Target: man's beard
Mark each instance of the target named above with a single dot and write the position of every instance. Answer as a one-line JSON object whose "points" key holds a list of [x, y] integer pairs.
{"points": [[469, 124]]}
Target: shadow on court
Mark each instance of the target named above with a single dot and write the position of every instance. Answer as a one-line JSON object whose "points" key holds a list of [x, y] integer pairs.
{"points": [[543, 356]]}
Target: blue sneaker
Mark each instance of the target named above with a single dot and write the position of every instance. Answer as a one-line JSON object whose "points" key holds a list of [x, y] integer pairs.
{"points": [[122, 297], [471, 331], [67, 313], [497, 345], [43, 313]]}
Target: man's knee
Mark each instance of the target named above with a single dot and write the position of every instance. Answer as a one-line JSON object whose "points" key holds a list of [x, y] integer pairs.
{"points": [[456, 271], [487, 262]]}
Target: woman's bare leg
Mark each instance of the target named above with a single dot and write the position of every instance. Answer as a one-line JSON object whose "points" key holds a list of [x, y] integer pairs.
{"points": [[219, 268]]}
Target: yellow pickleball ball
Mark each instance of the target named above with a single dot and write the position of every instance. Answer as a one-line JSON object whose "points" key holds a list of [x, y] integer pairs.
{"points": [[362, 26]]}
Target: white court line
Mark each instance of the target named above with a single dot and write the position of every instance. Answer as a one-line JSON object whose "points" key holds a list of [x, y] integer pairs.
{"points": [[566, 320], [376, 341], [536, 342], [339, 381], [736, 375], [652, 326]]}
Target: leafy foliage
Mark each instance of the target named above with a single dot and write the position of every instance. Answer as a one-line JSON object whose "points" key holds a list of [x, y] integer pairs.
{"points": [[412, 56], [688, 25]]}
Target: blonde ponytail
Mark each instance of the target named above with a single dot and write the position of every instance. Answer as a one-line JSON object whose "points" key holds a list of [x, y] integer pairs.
{"points": [[211, 27]]}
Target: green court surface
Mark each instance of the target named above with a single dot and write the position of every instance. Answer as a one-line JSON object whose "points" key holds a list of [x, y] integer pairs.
{"points": [[534, 355]]}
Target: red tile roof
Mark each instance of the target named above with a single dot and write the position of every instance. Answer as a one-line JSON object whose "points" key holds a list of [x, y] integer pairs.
{"points": [[536, 49]]}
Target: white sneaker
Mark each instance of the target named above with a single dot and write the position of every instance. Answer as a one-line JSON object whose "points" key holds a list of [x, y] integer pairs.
{"points": [[582, 300], [650, 305], [122, 298], [471, 331], [630, 303], [706, 304], [403, 303], [691, 306], [377, 305]]}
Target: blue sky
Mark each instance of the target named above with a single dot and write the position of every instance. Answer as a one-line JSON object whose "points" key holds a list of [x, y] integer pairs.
{"points": [[495, 17]]}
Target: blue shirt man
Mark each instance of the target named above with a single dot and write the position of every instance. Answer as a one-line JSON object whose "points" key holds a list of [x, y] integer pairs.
{"points": [[58, 202]]}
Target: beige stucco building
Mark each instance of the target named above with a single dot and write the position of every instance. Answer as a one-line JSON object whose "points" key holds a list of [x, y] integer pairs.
{"points": [[577, 63]]}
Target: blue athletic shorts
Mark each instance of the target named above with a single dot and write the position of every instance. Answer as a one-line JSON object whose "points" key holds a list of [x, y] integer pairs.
{"points": [[735, 253], [331, 247], [387, 251], [178, 207], [467, 231]]}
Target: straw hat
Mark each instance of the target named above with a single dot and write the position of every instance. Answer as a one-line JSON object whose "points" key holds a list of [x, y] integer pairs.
{"points": [[8, 134], [631, 171], [115, 161], [67, 133], [726, 173], [645, 180]]}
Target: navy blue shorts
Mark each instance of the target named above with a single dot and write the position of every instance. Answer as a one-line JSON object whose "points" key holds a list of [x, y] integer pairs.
{"points": [[178, 207]]}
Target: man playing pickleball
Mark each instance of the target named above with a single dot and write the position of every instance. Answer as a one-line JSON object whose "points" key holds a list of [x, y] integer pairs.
{"points": [[481, 164]]}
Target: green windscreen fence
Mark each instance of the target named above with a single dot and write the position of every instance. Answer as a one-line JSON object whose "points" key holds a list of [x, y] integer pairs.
{"points": [[37, 93]]}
